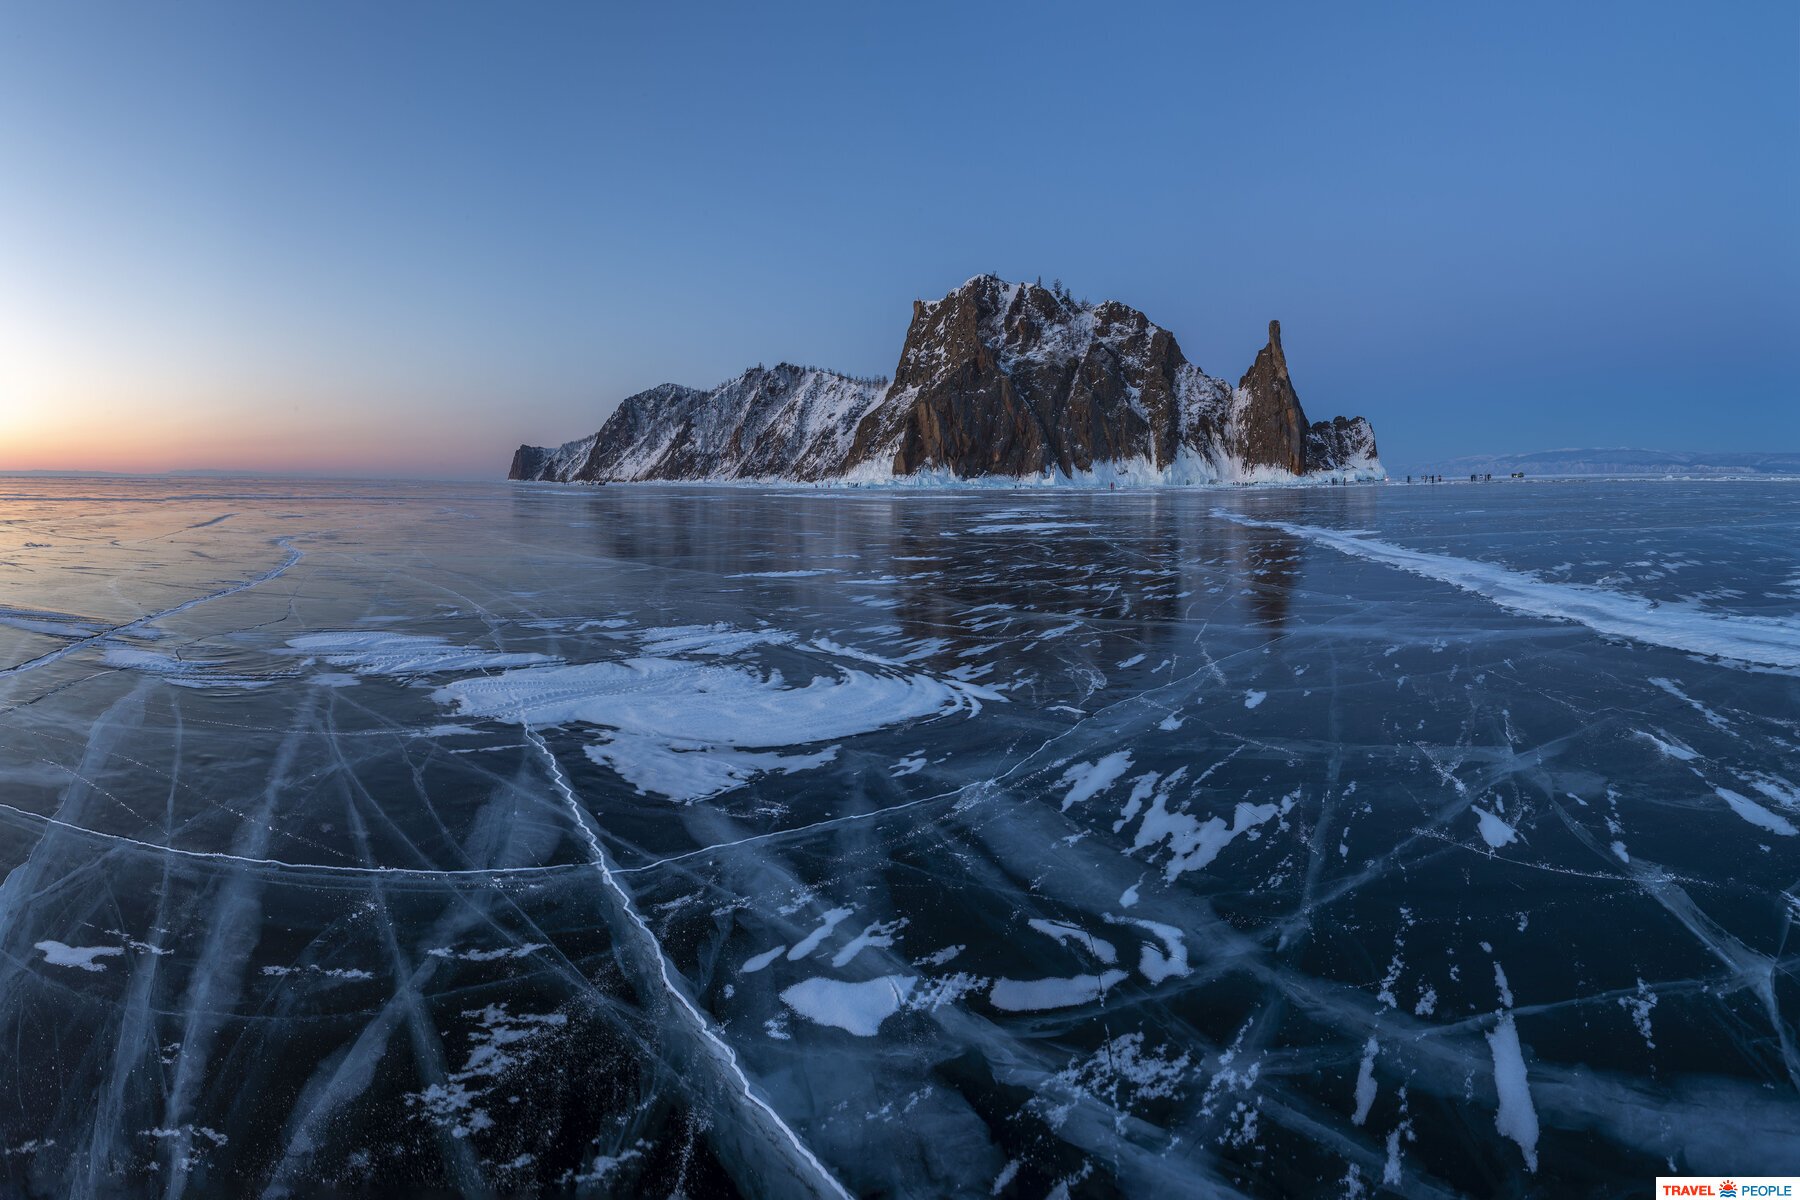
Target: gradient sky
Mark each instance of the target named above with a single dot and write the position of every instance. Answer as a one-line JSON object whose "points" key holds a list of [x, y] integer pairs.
{"points": [[401, 239]]}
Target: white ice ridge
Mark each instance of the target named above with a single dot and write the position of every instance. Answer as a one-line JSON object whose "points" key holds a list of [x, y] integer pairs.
{"points": [[1763, 641]]}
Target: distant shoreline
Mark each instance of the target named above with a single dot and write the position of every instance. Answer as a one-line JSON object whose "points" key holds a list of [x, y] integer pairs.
{"points": [[989, 485]]}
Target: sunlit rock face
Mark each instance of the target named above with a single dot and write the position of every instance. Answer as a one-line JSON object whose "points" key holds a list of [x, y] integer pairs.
{"points": [[995, 380], [1012, 379]]}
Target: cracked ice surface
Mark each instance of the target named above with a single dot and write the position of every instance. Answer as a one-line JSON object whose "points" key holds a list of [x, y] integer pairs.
{"points": [[537, 840]]}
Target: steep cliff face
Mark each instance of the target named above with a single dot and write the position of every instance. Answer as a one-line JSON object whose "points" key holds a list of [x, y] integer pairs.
{"points": [[996, 379], [1270, 430], [646, 428], [1011, 379], [562, 462]]}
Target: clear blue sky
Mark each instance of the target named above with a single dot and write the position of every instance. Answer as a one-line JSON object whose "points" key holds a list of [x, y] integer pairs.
{"points": [[360, 236]]}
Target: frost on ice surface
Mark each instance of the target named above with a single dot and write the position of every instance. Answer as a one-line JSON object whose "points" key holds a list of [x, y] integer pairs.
{"points": [[498, 1043], [1124, 1073], [803, 841], [1639, 1007]]}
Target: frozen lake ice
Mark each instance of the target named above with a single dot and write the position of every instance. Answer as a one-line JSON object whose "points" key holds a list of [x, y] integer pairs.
{"points": [[711, 841]]}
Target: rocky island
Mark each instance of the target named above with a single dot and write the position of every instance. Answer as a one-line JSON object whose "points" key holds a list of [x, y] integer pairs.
{"points": [[996, 380]]}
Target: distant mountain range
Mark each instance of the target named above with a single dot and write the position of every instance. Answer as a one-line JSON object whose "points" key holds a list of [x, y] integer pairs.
{"points": [[1620, 462], [997, 379]]}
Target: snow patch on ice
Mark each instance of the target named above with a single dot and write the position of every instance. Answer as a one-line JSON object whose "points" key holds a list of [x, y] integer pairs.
{"points": [[1169, 960], [519, 951], [829, 920], [1756, 814], [1517, 1117], [404, 653], [757, 962], [680, 728], [1495, 832], [1088, 779], [1194, 844], [719, 639], [1670, 746], [856, 1008], [81, 957], [1036, 995], [878, 935], [1365, 1083], [688, 771], [1066, 934]]}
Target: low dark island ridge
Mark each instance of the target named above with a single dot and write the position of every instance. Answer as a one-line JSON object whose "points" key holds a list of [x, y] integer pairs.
{"points": [[997, 379]]}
